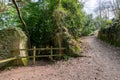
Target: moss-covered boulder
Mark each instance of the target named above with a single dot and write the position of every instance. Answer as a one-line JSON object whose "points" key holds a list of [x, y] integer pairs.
{"points": [[64, 39], [12, 39], [72, 45]]}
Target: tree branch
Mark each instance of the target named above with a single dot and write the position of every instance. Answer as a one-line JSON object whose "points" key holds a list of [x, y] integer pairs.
{"points": [[20, 15], [22, 21]]}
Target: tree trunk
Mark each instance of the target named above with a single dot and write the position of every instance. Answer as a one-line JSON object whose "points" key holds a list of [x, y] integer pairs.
{"points": [[22, 21]]}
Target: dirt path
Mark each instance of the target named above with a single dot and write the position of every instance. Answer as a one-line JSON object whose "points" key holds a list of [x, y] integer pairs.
{"points": [[104, 64]]}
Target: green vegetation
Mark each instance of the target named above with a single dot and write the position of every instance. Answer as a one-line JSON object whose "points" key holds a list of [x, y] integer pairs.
{"points": [[57, 23], [111, 34], [8, 18], [44, 17], [89, 26], [110, 29]]}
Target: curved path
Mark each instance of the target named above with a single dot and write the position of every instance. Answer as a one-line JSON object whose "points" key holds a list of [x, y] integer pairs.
{"points": [[104, 64]]}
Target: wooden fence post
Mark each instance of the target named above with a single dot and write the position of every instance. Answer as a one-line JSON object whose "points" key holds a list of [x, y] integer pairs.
{"points": [[34, 54], [51, 53], [60, 51]]}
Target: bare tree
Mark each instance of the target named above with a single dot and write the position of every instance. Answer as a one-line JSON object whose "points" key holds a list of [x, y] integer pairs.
{"points": [[105, 9], [116, 8]]}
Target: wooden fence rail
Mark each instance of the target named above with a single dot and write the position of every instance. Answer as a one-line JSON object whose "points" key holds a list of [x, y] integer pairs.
{"points": [[34, 49], [7, 60], [37, 49]]}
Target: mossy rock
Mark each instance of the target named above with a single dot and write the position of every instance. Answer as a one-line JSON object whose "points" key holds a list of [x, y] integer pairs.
{"points": [[71, 44], [65, 39], [11, 39]]}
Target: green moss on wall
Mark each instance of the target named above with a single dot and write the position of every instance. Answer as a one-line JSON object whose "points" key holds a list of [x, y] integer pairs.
{"points": [[10, 39], [110, 35]]}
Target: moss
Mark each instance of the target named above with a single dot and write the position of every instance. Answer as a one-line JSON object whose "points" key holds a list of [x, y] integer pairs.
{"points": [[12, 38], [25, 61], [71, 44], [67, 41]]}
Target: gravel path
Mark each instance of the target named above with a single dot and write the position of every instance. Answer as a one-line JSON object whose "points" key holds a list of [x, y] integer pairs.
{"points": [[104, 64]]}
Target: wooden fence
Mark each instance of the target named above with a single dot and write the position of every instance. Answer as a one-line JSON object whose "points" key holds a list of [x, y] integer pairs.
{"points": [[34, 56]]}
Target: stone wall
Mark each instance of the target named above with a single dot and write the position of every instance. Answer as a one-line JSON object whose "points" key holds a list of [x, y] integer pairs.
{"points": [[10, 40], [111, 34]]}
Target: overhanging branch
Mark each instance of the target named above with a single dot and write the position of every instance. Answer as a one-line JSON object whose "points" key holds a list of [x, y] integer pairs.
{"points": [[21, 19]]}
